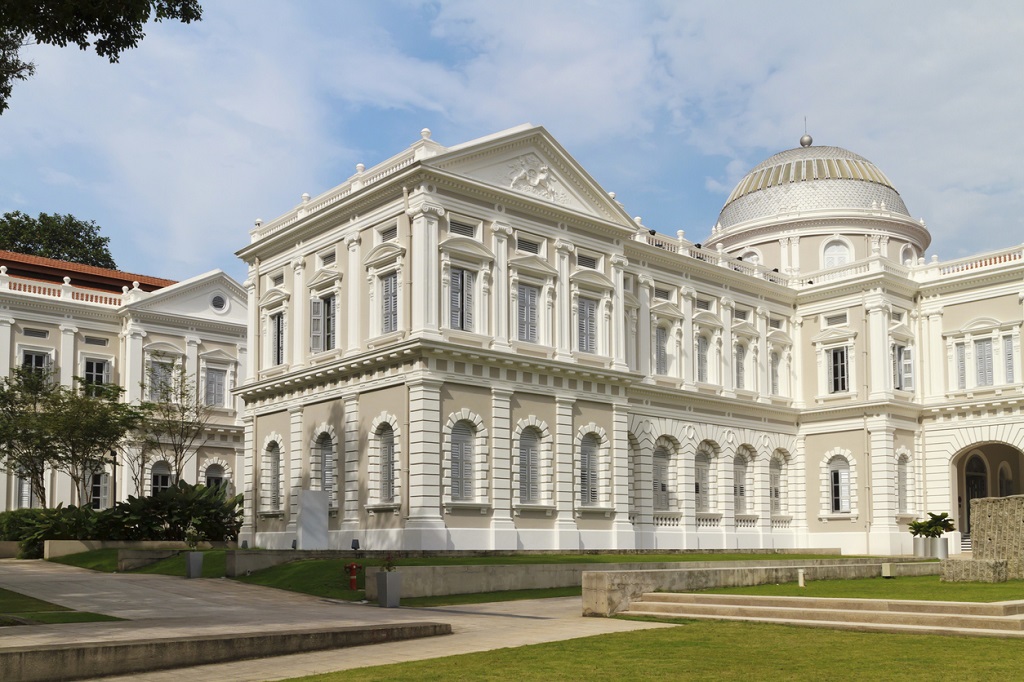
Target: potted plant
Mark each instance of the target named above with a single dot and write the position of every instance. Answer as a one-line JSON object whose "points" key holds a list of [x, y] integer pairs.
{"points": [[918, 530], [193, 558], [389, 583], [937, 525]]}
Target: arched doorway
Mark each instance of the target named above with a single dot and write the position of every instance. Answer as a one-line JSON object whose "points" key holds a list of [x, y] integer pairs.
{"points": [[975, 486]]}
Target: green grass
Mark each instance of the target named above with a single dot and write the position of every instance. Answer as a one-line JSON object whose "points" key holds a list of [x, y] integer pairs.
{"points": [[926, 588], [25, 608], [712, 650], [104, 560], [486, 597], [319, 577]]}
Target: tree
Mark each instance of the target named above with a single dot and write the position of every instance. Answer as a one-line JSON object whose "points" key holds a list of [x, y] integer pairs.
{"points": [[24, 447], [63, 237], [177, 417], [112, 26], [86, 424]]}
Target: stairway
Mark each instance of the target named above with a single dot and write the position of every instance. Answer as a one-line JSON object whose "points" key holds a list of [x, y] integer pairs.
{"points": [[965, 542], [1002, 619]]}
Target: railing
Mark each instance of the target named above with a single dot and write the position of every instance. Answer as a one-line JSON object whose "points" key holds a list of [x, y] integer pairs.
{"points": [[988, 260], [708, 520], [36, 288], [65, 291], [746, 521], [782, 523], [666, 520]]}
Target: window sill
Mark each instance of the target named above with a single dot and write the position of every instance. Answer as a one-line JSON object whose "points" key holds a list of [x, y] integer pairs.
{"points": [[704, 387], [906, 517], [385, 339], [749, 518], [324, 356], [271, 515], [532, 349], [831, 397], [276, 370], [383, 507], [451, 506], [606, 512], [546, 509], [592, 359], [838, 516], [462, 336]]}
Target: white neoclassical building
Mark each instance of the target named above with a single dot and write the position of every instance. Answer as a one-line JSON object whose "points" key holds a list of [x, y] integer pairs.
{"points": [[108, 326], [476, 347]]}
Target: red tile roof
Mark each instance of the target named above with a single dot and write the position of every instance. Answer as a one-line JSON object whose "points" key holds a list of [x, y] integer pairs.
{"points": [[86, 272]]}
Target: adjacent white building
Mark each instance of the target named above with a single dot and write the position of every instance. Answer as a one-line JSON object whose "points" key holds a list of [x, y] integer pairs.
{"points": [[108, 326]]}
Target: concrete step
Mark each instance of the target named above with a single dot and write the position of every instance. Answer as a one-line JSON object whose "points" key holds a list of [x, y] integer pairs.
{"points": [[997, 609], [961, 621]]}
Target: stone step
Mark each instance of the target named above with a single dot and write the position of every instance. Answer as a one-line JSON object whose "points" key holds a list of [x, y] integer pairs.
{"points": [[854, 626], [998, 609], [819, 614]]}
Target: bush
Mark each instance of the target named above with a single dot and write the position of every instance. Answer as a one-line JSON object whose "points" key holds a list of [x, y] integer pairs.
{"points": [[15, 525], [167, 515]]}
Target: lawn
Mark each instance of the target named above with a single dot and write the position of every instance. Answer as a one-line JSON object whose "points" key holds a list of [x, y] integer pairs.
{"points": [[24, 608], [927, 588], [106, 560], [713, 650]]}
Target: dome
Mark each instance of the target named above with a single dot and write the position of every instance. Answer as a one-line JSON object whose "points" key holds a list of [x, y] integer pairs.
{"points": [[810, 178]]}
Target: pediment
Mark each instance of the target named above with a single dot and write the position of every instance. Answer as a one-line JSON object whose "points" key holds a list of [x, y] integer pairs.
{"points": [[218, 355], [706, 319], [744, 328], [901, 332], [980, 324], [527, 160], [324, 277], [591, 279], [469, 248], [159, 348], [210, 296], [273, 297], [780, 337], [533, 264], [835, 335], [666, 309], [384, 253]]}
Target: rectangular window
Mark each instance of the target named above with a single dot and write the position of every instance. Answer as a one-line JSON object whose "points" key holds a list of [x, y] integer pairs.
{"points": [[36, 333], [1008, 358], [739, 489], [389, 303], [662, 294], [740, 315], [389, 233], [277, 280], [527, 313], [97, 372], [774, 371], [661, 349], [837, 320], [277, 339], [741, 367], [661, 495], [587, 325], [588, 472], [328, 258], [961, 366], [216, 386], [527, 246], [838, 380], [35, 361], [100, 485], [462, 462], [95, 341], [322, 323], [700, 485], [462, 229], [902, 368], [703, 304], [702, 359], [460, 294], [585, 261], [775, 489], [161, 381], [775, 323], [840, 490], [983, 361]]}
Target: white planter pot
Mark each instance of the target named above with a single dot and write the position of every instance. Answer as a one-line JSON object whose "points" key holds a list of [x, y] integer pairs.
{"points": [[939, 547], [920, 546], [389, 589]]}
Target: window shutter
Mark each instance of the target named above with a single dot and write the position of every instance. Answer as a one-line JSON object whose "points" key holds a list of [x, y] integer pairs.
{"points": [[390, 303], [908, 369], [588, 472], [701, 466], [462, 462], [1008, 358], [774, 366], [455, 299], [741, 370], [316, 336], [107, 366], [387, 464], [529, 488], [661, 494], [897, 376], [467, 300], [587, 323], [581, 323], [961, 366], [983, 361], [702, 359], [661, 364], [844, 490], [531, 314], [327, 466]]}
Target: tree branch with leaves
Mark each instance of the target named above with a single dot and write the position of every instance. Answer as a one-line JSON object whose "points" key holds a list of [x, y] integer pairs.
{"points": [[178, 417]]}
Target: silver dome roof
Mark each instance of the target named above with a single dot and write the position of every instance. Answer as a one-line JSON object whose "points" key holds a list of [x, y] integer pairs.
{"points": [[807, 179]]}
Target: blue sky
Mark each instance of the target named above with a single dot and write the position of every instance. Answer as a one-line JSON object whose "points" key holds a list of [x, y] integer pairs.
{"points": [[176, 150]]}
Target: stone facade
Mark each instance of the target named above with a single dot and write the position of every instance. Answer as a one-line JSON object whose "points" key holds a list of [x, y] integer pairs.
{"points": [[998, 543]]}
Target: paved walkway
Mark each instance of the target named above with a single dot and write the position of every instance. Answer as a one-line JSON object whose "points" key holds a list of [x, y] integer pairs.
{"points": [[162, 606]]}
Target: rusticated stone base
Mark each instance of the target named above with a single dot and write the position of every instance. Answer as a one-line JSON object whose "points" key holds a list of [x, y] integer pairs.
{"points": [[973, 571]]}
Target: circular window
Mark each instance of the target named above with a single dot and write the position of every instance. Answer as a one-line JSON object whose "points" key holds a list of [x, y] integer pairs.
{"points": [[218, 302]]}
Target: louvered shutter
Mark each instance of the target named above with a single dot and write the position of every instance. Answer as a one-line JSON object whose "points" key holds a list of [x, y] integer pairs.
{"points": [[1008, 358], [387, 464], [316, 335], [661, 343], [661, 495], [739, 487], [897, 376], [327, 466], [467, 300], [774, 360], [775, 483], [702, 359], [700, 484], [529, 490], [983, 361], [330, 321], [907, 368], [455, 299], [844, 490], [389, 306], [462, 462], [961, 366], [527, 313], [588, 472], [741, 370]]}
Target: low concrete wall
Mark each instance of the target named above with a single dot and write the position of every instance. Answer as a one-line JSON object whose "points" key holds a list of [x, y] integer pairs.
{"points": [[431, 581], [88, 660], [8, 549], [131, 559], [55, 548], [608, 592], [974, 571]]}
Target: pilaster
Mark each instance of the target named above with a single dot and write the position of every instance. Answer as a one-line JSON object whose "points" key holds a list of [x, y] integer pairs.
{"points": [[67, 354], [502, 233], [350, 504], [353, 308], [563, 302], [501, 474], [425, 267], [295, 451], [618, 263], [565, 448], [299, 311], [425, 528], [6, 346], [645, 345]]}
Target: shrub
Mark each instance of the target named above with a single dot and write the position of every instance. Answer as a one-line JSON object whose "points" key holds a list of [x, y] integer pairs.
{"points": [[14, 525]]}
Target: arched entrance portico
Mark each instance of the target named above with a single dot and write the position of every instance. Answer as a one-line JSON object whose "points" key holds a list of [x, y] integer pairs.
{"points": [[985, 470]]}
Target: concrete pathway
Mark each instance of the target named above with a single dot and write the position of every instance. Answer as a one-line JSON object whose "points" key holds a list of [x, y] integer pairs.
{"points": [[163, 606]]}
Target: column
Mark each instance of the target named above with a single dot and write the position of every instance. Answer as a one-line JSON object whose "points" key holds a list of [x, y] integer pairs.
{"points": [[67, 354], [253, 315], [350, 504], [878, 339], [563, 303], [880, 497], [425, 528], [764, 383], [500, 299], [242, 374], [794, 252], [567, 536], [424, 265], [501, 470], [728, 378], [192, 361], [295, 448], [783, 255], [353, 307], [645, 345], [643, 492], [6, 346], [247, 483], [794, 369], [133, 365], [299, 311], [936, 357], [621, 527], [689, 350], [618, 314]]}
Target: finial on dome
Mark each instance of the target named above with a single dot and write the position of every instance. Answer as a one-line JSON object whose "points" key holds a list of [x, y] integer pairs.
{"points": [[806, 140]]}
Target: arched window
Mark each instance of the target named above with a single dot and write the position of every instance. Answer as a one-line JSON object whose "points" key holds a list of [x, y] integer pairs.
{"points": [[1005, 481], [741, 366], [272, 473], [529, 466], [702, 359], [160, 477], [325, 457], [775, 485], [702, 482], [836, 253], [902, 485], [839, 484], [661, 350], [739, 484], [773, 368], [462, 461], [589, 470], [662, 460], [908, 255], [386, 446], [751, 257], [214, 476]]}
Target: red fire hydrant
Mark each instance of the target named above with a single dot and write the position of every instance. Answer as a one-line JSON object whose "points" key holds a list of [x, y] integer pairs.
{"points": [[352, 570]]}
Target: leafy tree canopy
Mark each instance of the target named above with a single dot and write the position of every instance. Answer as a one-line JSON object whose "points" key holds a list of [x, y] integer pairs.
{"points": [[63, 237], [110, 26]]}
